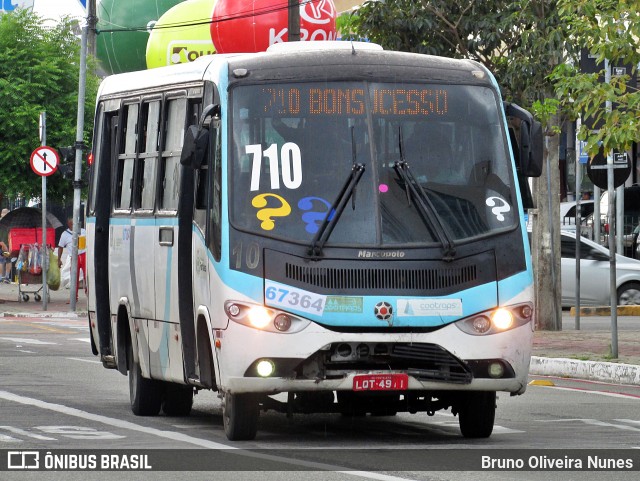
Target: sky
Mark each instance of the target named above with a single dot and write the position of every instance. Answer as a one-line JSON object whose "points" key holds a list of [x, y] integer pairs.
{"points": [[54, 9]]}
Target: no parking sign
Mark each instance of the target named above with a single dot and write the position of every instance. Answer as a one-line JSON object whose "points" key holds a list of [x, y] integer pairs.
{"points": [[44, 161]]}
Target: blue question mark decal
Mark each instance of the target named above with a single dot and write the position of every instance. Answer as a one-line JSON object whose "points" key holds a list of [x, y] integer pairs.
{"points": [[313, 218]]}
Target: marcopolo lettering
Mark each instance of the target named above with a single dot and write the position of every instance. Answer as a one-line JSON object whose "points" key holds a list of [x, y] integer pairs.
{"points": [[364, 254]]}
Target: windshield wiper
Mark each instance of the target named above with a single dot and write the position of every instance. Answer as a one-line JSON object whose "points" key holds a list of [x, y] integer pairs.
{"points": [[335, 211], [425, 207]]}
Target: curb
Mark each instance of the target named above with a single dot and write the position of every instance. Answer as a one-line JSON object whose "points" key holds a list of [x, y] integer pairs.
{"points": [[589, 370], [606, 311]]}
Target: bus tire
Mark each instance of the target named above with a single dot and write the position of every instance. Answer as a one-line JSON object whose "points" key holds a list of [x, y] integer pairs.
{"points": [[240, 416], [145, 394], [476, 414], [178, 400]]}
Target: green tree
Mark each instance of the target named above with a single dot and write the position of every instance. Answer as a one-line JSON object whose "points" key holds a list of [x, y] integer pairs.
{"points": [[40, 71], [608, 29], [519, 41]]}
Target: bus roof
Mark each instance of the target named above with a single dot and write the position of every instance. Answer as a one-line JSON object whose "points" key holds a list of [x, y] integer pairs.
{"points": [[322, 60]]}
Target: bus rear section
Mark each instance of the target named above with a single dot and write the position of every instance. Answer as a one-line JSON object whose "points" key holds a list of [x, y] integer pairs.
{"points": [[343, 240]]}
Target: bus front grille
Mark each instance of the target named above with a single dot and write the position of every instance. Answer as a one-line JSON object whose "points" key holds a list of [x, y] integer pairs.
{"points": [[382, 278], [424, 361]]}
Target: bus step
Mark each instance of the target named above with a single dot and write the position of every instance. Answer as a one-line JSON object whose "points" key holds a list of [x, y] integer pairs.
{"points": [[109, 361], [195, 382]]}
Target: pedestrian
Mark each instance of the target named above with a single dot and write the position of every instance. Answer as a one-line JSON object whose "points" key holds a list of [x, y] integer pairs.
{"points": [[65, 242], [5, 255]]}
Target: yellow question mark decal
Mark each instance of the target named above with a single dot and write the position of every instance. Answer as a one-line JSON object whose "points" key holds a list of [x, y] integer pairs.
{"points": [[266, 213]]}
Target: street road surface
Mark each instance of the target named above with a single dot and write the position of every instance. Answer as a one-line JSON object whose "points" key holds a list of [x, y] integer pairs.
{"points": [[54, 395]]}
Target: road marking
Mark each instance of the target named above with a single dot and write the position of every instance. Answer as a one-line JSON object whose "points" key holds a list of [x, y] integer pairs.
{"points": [[620, 395], [81, 339], [180, 437], [83, 360], [28, 352], [20, 340], [119, 423], [28, 434], [592, 422]]}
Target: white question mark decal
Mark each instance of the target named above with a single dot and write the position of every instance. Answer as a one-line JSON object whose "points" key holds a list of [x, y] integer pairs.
{"points": [[498, 209]]}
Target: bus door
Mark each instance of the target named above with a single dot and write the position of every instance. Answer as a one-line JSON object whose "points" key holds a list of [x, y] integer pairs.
{"points": [[105, 152], [164, 331], [142, 235]]}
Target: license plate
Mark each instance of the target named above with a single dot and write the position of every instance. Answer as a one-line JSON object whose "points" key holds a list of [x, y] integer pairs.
{"points": [[380, 382]]}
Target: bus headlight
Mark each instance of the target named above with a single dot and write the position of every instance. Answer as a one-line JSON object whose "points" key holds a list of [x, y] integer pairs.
{"points": [[502, 319], [259, 316], [265, 368], [264, 318], [496, 320]]}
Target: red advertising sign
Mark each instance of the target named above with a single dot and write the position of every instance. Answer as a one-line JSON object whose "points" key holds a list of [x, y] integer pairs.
{"points": [[253, 26]]}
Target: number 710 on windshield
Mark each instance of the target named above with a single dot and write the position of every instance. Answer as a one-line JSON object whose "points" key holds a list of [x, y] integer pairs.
{"points": [[280, 295]]}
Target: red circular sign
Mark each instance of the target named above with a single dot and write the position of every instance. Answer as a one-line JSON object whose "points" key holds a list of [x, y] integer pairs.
{"points": [[253, 26], [44, 161]]}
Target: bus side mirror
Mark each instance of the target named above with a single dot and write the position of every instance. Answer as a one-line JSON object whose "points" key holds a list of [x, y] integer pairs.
{"points": [[529, 148], [196, 139], [194, 148]]}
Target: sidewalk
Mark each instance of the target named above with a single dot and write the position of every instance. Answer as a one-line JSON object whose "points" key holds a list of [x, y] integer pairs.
{"points": [[586, 353], [582, 354], [57, 305]]}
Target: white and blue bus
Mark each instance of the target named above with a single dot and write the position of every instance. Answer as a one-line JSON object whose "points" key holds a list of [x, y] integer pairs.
{"points": [[336, 222]]}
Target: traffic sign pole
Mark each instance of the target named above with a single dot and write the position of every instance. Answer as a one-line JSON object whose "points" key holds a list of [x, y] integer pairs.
{"points": [[45, 257], [612, 244]]}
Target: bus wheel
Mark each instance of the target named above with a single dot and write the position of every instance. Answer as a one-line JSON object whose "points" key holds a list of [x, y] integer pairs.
{"points": [[178, 400], [476, 414], [240, 416], [145, 394]]}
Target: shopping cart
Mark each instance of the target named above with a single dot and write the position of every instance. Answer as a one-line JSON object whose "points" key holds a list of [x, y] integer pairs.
{"points": [[29, 278]]}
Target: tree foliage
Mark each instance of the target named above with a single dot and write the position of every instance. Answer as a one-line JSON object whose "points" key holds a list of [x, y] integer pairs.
{"points": [[608, 30], [40, 71], [519, 41]]}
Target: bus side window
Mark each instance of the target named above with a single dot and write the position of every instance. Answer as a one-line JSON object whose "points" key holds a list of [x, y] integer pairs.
{"points": [[215, 216], [146, 164], [126, 157], [174, 127]]}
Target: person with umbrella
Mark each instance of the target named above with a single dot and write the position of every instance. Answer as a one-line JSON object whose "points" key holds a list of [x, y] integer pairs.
{"points": [[5, 261]]}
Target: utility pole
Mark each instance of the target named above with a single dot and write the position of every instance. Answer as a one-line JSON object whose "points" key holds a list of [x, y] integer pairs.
{"points": [[294, 21], [92, 21]]}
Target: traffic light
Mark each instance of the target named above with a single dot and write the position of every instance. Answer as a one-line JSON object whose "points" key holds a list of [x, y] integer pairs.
{"points": [[67, 159], [67, 154]]}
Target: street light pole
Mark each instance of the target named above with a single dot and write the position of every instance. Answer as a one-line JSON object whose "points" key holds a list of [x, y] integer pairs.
{"points": [[87, 31]]}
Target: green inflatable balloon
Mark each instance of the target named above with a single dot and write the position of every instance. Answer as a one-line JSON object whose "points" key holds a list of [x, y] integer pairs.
{"points": [[185, 40], [121, 44]]}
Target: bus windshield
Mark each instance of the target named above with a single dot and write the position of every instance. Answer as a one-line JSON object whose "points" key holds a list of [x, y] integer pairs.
{"points": [[295, 145]]}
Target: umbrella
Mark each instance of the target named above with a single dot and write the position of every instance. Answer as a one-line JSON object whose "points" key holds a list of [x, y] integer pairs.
{"points": [[28, 217]]}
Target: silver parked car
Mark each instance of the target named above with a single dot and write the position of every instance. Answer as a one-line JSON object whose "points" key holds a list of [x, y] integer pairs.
{"points": [[568, 215], [594, 274]]}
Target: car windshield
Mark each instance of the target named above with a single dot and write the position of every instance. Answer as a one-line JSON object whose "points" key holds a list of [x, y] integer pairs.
{"points": [[293, 146]]}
